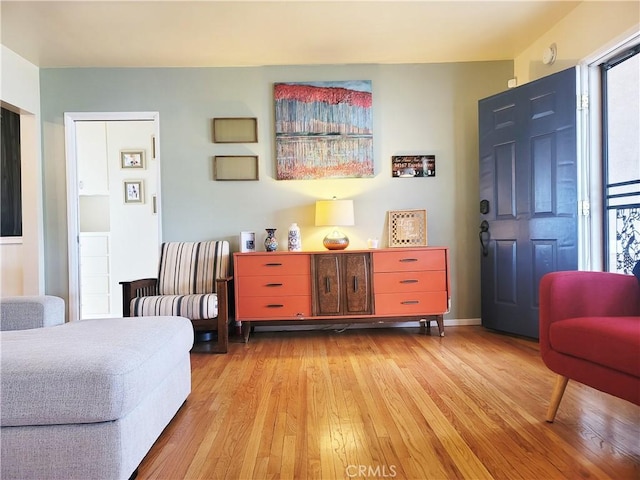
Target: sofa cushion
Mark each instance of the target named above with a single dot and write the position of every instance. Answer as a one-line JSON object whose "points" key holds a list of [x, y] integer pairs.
{"points": [[24, 312], [608, 341], [89, 370]]}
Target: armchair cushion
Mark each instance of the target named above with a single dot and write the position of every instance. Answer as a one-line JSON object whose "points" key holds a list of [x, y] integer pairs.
{"points": [[192, 267], [591, 338], [195, 307]]}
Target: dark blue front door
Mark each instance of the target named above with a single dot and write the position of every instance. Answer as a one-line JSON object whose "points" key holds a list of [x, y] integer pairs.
{"points": [[528, 197]]}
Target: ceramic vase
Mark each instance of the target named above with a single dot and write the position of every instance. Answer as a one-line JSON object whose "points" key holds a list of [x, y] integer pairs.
{"points": [[271, 242], [294, 239]]}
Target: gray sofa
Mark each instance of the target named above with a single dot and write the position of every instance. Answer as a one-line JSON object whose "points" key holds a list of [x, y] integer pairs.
{"points": [[86, 399]]}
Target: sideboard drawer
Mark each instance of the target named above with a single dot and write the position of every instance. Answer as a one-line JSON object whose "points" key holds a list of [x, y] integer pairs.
{"points": [[409, 260], [416, 303], [398, 282], [282, 308], [274, 285], [274, 264]]}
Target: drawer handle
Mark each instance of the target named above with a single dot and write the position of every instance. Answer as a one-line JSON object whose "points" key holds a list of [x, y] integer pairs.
{"points": [[355, 283], [409, 281], [410, 302], [327, 285], [273, 285], [408, 259], [273, 264], [275, 305]]}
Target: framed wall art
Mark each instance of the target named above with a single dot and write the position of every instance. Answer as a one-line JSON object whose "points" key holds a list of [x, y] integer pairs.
{"points": [[235, 130], [323, 130], [410, 166], [131, 158], [235, 167], [247, 242], [133, 191], [407, 228]]}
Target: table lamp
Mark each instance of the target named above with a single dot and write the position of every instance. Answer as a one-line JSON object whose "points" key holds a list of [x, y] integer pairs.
{"points": [[335, 213]]}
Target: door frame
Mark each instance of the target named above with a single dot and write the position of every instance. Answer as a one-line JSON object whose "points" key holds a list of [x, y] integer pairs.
{"points": [[73, 226], [590, 82]]}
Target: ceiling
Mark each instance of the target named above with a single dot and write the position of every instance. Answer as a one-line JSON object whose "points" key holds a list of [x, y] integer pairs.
{"points": [[265, 32]]}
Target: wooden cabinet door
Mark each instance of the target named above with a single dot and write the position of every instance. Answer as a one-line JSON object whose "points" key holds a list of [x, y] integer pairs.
{"points": [[357, 284], [328, 285], [342, 284]]}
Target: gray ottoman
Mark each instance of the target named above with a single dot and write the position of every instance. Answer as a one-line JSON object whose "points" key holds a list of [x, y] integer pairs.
{"points": [[88, 399]]}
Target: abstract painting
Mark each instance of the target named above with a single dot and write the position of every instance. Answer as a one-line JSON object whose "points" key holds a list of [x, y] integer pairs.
{"points": [[323, 130]]}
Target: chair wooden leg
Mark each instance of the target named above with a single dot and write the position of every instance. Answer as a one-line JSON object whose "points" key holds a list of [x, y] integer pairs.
{"points": [[556, 396]]}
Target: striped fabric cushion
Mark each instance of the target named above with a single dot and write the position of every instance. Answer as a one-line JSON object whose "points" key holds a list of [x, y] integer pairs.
{"points": [[192, 267], [194, 307]]}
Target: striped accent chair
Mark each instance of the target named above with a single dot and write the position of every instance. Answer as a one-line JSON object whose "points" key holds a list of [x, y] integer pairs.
{"points": [[193, 282]]}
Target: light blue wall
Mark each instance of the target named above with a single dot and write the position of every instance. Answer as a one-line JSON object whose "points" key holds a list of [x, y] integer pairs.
{"points": [[429, 108]]}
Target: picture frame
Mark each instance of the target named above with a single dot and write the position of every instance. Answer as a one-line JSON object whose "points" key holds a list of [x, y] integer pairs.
{"points": [[235, 167], [133, 191], [411, 166], [307, 117], [132, 158], [247, 242], [407, 228], [235, 130]]}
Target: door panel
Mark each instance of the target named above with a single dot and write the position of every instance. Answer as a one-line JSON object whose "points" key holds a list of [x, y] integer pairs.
{"points": [[328, 285], [528, 175], [357, 283], [131, 232]]}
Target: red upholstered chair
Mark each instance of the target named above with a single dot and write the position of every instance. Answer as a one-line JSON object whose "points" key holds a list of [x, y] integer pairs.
{"points": [[590, 332], [193, 282]]}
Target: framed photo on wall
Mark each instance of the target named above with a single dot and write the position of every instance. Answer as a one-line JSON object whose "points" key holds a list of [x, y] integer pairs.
{"points": [[134, 191], [131, 158]]}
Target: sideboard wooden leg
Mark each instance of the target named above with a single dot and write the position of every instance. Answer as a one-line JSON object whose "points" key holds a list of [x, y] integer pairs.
{"points": [[440, 320], [246, 330], [424, 325]]}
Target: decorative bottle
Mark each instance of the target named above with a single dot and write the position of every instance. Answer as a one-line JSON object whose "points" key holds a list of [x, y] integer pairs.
{"points": [[271, 242], [295, 241]]}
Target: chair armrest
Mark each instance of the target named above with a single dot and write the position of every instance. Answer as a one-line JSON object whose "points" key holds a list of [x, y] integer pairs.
{"points": [[223, 289], [143, 287], [27, 312]]}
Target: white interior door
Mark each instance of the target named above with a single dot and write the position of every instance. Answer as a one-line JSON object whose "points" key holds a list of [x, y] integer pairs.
{"points": [[112, 236]]}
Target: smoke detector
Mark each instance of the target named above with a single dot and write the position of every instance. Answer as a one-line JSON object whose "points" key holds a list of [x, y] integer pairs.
{"points": [[549, 54]]}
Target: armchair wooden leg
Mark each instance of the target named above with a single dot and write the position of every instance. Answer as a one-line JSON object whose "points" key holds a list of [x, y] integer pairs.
{"points": [[556, 396], [222, 345]]}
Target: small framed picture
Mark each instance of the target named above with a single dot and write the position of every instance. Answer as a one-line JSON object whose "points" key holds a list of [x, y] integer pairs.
{"points": [[235, 130], [134, 191], [410, 166], [132, 158], [407, 228], [247, 242], [235, 167]]}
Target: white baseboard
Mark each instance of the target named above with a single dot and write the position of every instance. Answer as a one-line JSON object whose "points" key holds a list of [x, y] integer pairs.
{"points": [[453, 322]]}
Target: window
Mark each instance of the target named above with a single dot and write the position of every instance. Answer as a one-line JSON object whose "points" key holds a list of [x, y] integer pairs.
{"points": [[10, 175], [620, 81]]}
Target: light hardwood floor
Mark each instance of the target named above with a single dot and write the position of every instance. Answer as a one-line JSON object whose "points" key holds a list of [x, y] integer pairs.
{"points": [[390, 403]]}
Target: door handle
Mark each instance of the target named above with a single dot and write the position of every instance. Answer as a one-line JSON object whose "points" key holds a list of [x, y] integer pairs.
{"points": [[484, 230]]}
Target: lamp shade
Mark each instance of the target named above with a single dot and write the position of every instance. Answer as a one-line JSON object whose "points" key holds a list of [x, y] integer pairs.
{"points": [[334, 213]]}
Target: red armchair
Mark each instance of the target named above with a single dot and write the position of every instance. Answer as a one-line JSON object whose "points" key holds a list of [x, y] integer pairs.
{"points": [[590, 332]]}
